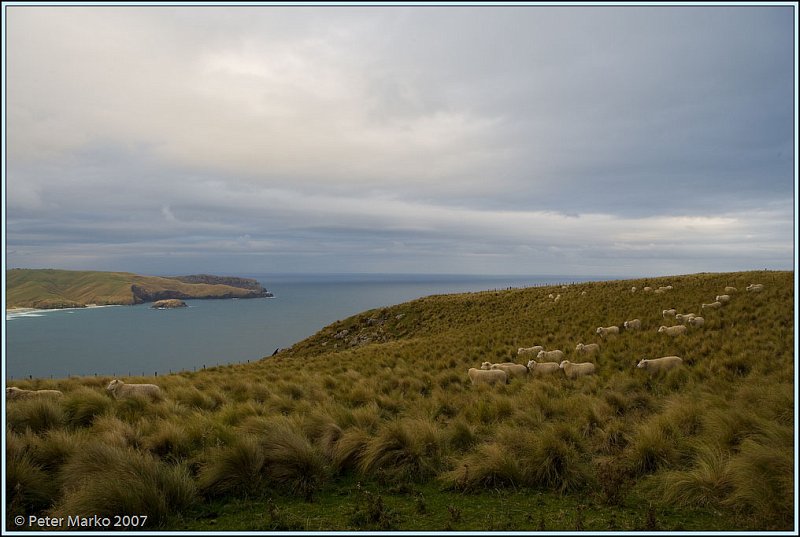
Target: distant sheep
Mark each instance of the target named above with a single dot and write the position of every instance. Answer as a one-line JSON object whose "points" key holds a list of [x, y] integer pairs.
{"points": [[542, 368], [655, 365], [730, 289], [121, 390], [676, 330], [647, 289], [669, 313], [572, 370], [12, 392], [511, 369], [550, 355], [583, 293], [589, 348], [684, 318], [723, 298], [491, 377], [755, 287], [603, 331], [697, 321], [522, 351], [713, 305], [633, 289], [634, 324]]}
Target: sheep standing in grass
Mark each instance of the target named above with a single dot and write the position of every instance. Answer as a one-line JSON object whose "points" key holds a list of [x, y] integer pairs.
{"points": [[541, 368], [12, 392], [655, 365], [730, 289], [647, 289], [491, 376], [590, 348], [572, 370], [633, 324], [603, 331], [756, 287], [670, 313], [676, 330], [550, 355], [723, 298], [684, 318], [697, 321], [511, 369], [713, 305], [522, 351], [121, 390]]}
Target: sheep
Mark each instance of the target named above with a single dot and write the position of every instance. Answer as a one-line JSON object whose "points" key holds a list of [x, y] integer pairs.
{"points": [[572, 370], [730, 289], [583, 293], [655, 365], [634, 324], [557, 298], [697, 321], [590, 348], [669, 313], [512, 369], [756, 287], [647, 289], [522, 351], [633, 289], [12, 392], [121, 390], [551, 296], [659, 291], [491, 376], [684, 318], [606, 330], [551, 355], [540, 368], [676, 330], [723, 298], [714, 305]]}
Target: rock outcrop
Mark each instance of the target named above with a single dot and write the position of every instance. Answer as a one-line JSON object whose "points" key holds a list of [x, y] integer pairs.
{"points": [[169, 304]]}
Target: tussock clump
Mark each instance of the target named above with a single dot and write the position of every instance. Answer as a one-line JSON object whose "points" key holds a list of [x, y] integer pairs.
{"points": [[349, 449], [116, 432], [194, 398], [292, 461], [83, 405], [37, 414], [404, 450], [490, 466], [706, 483], [555, 462], [168, 439], [236, 469]]}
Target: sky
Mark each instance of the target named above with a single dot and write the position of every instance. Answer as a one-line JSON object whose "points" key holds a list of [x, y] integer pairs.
{"points": [[577, 140]]}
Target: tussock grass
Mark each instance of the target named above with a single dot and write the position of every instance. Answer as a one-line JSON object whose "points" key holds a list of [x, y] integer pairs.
{"points": [[83, 405], [234, 469], [37, 414]]}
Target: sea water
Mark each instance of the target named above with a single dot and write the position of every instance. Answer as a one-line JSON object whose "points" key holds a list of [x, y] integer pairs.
{"points": [[139, 340]]}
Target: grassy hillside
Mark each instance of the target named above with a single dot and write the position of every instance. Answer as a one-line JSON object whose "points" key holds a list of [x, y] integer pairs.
{"points": [[372, 423], [47, 288]]}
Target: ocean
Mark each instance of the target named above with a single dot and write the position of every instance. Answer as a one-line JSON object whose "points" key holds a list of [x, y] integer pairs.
{"points": [[139, 340]]}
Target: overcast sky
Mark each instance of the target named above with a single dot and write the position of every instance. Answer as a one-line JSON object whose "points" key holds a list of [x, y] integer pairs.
{"points": [[571, 140]]}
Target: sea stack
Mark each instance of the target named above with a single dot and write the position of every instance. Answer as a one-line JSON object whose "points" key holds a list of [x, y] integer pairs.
{"points": [[168, 304]]}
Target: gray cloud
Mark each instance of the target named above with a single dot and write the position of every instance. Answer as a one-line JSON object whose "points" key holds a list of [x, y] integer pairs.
{"points": [[453, 139]]}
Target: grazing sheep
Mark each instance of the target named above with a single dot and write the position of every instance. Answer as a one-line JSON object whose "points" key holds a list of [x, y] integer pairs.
{"points": [[590, 348], [755, 287], [669, 313], [697, 321], [512, 369], [606, 330], [723, 298], [659, 291], [576, 370], [557, 298], [647, 289], [491, 376], [551, 355], [655, 365], [730, 289], [676, 330], [529, 350], [634, 324], [541, 368], [551, 296], [12, 392], [121, 390], [684, 317], [714, 305], [633, 289]]}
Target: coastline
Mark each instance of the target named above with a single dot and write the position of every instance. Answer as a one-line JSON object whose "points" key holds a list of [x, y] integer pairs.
{"points": [[16, 312]]}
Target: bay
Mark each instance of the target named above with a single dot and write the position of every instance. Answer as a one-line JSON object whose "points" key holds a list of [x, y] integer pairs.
{"points": [[139, 340]]}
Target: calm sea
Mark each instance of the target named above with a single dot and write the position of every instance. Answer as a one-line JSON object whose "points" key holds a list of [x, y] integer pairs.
{"points": [[138, 340]]}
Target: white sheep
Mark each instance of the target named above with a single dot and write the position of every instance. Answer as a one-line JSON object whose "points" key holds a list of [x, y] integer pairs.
{"points": [[121, 390], [541, 368], [697, 321], [755, 287], [723, 298], [606, 330], [684, 318], [512, 369], [713, 305], [12, 392], [589, 348], [572, 370], [655, 365], [551, 355], [633, 324], [647, 289], [522, 351], [491, 376], [633, 289], [583, 293], [730, 289], [669, 313], [676, 330]]}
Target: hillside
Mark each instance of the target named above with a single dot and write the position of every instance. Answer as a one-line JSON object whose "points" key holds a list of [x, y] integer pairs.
{"points": [[373, 424], [48, 288]]}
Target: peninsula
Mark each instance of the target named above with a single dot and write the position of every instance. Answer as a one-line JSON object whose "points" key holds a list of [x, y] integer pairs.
{"points": [[53, 289]]}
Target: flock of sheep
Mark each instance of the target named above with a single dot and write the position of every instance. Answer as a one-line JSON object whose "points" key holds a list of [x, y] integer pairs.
{"points": [[502, 373], [116, 387]]}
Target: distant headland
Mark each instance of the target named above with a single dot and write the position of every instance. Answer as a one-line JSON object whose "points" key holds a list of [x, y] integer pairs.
{"points": [[55, 289]]}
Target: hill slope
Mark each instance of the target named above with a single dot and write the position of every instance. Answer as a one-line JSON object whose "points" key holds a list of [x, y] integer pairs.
{"points": [[375, 420], [48, 288]]}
